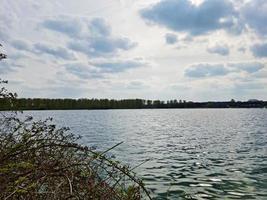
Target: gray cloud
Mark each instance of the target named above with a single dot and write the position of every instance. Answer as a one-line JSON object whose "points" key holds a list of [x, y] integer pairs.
{"points": [[21, 45], [222, 50], [65, 25], [98, 27], [5, 68], [206, 70], [57, 52], [115, 67], [250, 67], [100, 69], [83, 71], [259, 50], [203, 70], [43, 48], [8, 66], [170, 38], [100, 41], [255, 14], [91, 38], [101, 46], [183, 16], [74, 27]]}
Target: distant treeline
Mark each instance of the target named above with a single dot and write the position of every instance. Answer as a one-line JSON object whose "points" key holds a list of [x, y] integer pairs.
{"points": [[64, 104]]}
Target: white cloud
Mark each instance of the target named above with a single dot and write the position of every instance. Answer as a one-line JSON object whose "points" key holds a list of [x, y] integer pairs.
{"points": [[53, 45]]}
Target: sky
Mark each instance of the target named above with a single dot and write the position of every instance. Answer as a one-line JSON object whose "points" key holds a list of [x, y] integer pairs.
{"points": [[199, 50]]}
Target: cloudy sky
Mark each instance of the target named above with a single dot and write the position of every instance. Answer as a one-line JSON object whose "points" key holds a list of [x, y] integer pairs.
{"points": [[153, 49]]}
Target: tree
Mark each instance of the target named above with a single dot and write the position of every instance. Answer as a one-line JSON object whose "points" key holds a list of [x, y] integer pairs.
{"points": [[2, 55]]}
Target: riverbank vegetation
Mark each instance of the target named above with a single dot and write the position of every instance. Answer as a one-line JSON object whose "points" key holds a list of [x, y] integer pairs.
{"points": [[64, 104]]}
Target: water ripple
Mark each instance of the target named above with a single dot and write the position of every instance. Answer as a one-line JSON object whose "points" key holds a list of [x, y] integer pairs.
{"points": [[194, 154]]}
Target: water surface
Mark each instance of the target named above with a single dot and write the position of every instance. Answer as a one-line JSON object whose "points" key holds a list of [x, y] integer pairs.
{"points": [[194, 153]]}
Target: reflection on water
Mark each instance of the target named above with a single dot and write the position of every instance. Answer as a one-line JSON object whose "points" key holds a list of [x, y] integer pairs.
{"points": [[194, 154]]}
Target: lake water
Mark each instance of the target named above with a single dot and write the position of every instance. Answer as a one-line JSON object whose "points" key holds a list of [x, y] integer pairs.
{"points": [[194, 153]]}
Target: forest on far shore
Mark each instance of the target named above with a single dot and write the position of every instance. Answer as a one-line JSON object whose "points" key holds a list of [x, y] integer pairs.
{"points": [[72, 104]]}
